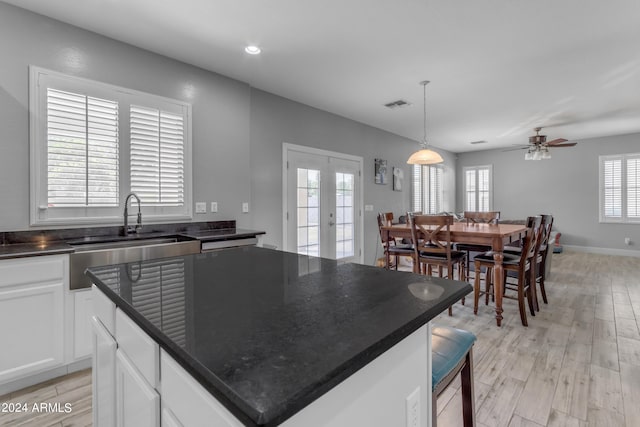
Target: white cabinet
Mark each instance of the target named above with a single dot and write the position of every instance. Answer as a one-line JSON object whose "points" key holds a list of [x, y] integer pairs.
{"points": [[32, 315], [103, 375], [137, 403], [82, 313]]}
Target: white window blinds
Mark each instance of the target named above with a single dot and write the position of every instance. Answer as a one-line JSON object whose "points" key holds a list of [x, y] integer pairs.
{"points": [[157, 156], [92, 143], [428, 189], [82, 150], [478, 188], [620, 188]]}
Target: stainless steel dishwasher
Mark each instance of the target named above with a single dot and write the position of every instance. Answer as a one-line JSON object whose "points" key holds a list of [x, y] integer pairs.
{"points": [[97, 254]]}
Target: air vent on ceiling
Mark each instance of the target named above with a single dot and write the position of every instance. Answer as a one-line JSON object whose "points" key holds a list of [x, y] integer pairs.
{"points": [[478, 142], [397, 104]]}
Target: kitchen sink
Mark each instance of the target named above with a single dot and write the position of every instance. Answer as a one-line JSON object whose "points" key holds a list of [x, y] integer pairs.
{"points": [[93, 254]]}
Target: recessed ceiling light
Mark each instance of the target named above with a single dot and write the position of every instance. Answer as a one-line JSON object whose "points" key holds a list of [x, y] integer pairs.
{"points": [[252, 50]]}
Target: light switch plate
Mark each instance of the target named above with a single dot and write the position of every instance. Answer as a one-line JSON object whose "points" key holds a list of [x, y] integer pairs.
{"points": [[245, 207], [214, 206], [368, 208], [201, 207]]}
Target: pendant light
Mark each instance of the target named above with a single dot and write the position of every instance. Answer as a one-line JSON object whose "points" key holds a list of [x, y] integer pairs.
{"points": [[425, 156]]}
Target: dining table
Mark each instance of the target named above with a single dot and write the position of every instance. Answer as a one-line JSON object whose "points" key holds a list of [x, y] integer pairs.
{"points": [[494, 235]]}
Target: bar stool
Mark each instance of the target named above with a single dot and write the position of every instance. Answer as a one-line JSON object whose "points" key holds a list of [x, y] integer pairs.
{"points": [[451, 350]]}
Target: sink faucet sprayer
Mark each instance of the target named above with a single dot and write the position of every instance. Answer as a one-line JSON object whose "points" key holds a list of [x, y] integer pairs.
{"points": [[127, 228]]}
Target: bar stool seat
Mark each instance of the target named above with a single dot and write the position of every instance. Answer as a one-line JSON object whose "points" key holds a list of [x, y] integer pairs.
{"points": [[451, 350]]}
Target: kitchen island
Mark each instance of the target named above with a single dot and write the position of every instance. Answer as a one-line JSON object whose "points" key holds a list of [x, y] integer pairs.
{"points": [[252, 336]]}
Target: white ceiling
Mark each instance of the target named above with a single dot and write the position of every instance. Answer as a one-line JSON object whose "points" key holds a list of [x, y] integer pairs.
{"points": [[498, 68]]}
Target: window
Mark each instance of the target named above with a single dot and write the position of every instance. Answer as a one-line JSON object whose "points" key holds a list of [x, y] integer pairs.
{"points": [[620, 188], [478, 193], [427, 189], [93, 143]]}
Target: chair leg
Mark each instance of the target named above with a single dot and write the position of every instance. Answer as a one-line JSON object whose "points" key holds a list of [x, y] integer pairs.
{"points": [[523, 312], [476, 291], [468, 400], [543, 269]]}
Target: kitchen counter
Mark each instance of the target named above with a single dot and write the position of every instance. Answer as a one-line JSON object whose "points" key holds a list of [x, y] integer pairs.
{"points": [[268, 332], [21, 244]]}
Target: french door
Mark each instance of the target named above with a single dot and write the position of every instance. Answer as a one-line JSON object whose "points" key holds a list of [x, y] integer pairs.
{"points": [[323, 215]]}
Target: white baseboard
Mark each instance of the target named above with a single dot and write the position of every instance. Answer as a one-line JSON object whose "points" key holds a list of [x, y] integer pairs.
{"points": [[21, 383], [603, 251]]}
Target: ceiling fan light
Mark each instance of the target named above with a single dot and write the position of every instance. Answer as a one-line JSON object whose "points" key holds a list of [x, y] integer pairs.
{"points": [[537, 155], [425, 157], [546, 155], [528, 155]]}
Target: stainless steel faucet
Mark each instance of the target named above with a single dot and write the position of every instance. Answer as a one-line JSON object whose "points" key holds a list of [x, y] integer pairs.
{"points": [[127, 228]]}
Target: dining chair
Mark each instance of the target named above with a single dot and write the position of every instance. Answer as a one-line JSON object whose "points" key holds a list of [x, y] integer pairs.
{"points": [[431, 240], [390, 246], [472, 217], [523, 264], [452, 354], [540, 258]]}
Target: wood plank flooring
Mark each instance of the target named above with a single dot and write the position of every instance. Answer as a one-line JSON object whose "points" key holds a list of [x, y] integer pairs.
{"points": [[577, 364]]}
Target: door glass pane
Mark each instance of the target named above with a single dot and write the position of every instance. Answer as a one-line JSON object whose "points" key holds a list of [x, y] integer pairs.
{"points": [[308, 211], [344, 215]]}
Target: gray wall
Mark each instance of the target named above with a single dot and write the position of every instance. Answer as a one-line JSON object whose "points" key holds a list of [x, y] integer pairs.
{"points": [[237, 131], [220, 108], [275, 120], [566, 186]]}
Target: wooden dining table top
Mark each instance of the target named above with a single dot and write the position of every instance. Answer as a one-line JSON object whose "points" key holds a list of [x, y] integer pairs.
{"points": [[467, 233]]}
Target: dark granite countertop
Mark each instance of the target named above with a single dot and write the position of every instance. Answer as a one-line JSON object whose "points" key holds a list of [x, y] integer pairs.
{"points": [[268, 340], [21, 250]]}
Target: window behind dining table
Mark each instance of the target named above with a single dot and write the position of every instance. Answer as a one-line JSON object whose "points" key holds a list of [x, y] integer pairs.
{"points": [[478, 188], [427, 189]]}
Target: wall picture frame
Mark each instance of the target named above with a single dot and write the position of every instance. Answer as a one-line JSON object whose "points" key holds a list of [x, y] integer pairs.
{"points": [[381, 171], [398, 177]]}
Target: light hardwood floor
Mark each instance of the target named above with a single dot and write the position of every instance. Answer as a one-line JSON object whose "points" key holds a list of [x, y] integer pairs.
{"points": [[577, 364]]}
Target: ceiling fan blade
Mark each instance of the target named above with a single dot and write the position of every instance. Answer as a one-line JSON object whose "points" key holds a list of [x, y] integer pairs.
{"points": [[516, 148], [557, 141], [571, 144]]}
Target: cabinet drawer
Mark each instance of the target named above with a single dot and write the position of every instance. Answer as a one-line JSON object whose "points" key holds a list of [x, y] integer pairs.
{"points": [[104, 309], [139, 347], [23, 271], [137, 403], [188, 400]]}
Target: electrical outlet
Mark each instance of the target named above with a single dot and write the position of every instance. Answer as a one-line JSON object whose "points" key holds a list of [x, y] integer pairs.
{"points": [[627, 240], [245, 207], [201, 207], [214, 206], [413, 408], [368, 208]]}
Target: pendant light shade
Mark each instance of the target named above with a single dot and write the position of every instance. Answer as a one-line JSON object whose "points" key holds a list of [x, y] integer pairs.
{"points": [[425, 156]]}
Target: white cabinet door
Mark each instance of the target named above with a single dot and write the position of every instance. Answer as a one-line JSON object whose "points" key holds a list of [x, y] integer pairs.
{"points": [[82, 313], [137, 403], [32, 322], [104, 375]]}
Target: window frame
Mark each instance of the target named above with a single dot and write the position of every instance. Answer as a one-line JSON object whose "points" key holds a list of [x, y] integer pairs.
{"points": [[425, 183], [40, 80], [624, 216], [465, 190]]}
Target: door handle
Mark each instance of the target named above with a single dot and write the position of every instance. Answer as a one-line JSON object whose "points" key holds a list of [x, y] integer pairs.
{"points": [[331, 223]]}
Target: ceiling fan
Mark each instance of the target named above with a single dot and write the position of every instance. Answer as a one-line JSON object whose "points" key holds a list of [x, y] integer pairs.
{"points": [[538, 147]]}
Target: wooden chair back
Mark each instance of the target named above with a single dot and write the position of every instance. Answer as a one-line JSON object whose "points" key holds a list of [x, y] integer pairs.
{"points": [[546, 223], [431, 234], [532, 240], [491, 217], [384, 219]]}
